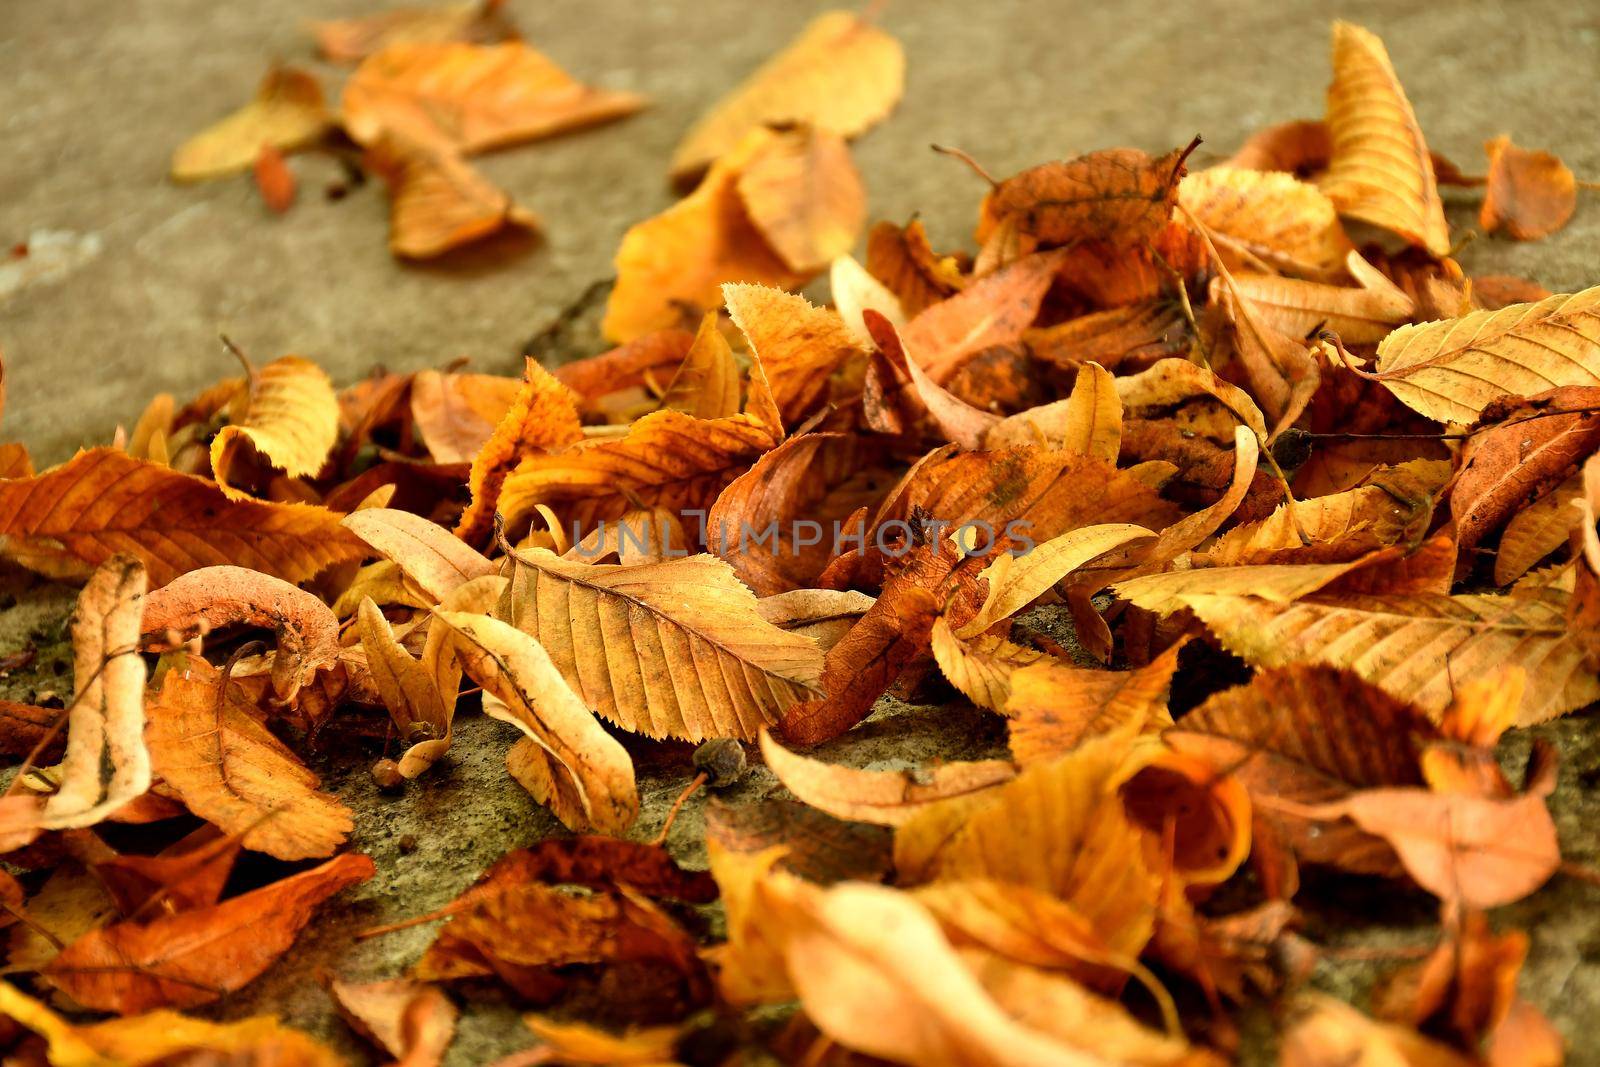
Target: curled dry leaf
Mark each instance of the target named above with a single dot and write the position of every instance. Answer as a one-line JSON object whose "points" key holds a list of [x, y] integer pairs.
{"points": [[420, 696], [1379, 169], [411, 1021], [228, 769], [459, 97], [354, 39], [542, 418], [290, 420], [215, 597], [437, 561], [288, 112], [163, 1037], [106, 723], [437, 201], [810, 356], [1530, 194], [842, 75], [198, 956], [706, 383], [980, 667], [584, 775], [885, 798], [1300, 308], [698, 613], [101, 502], [1016, 581]]}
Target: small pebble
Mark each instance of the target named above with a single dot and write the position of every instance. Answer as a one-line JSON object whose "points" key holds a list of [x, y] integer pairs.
{"points": [[721, 760], [386, 772]]}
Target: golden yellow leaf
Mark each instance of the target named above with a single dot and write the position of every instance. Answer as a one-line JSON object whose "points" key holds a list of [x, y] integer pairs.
{"points": [[807, 352], [1016, 581], [422, 711], [1299, 308], [806, 198], [1411, 646], [1169, 382], [1276, 583], [431, 556], [671, 268], [542, 418], [650, 1046], [1093, 417], [1537, 530], [588, 773], [471, 97], [162, 1037], [1058, 827], [670, 649], [290, 420], [1449, 370], [885, 798], [1350, 524], [1055, 707], [666, 460], [1268, 215], [288, 112], [1326, 1032], [706, 385], [981, 667], [228, 769], [842, 74], [437, 201], [1380, 170]]}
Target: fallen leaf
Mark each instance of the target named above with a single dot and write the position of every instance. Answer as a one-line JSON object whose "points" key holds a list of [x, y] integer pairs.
{"points": [[1379, 169], [228, 769], [1268, 216], [196, 957], [842, 75], [411, 1021], [1121, 195], [274, 180], [456, 414], [288, 112], [163, 1037], [885, 798], [995, 310], [671, 268], [196, 603], [351, 40], [699, 612], [808, 353], [106, 721], [1055, 707], [437, 201], [1530, 194], [1326, 1032], [585, 776], [542, 418], [1412, 646], [290, 421], [460, 97], [436, 560], [806, 198], [1016, 581]]}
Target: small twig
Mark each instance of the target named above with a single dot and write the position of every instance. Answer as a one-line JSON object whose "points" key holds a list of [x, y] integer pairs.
{"points": [[672, 814], [977, 168]]}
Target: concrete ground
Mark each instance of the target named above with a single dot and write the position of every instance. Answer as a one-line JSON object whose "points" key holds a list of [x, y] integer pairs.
{"points": [[97, 93]]}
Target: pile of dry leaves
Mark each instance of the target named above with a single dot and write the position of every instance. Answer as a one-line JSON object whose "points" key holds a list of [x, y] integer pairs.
{"points": [[1320, 508]]}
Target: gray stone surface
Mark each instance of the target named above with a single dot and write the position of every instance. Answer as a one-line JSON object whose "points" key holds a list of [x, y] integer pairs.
{"points": [[97, 93]]}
